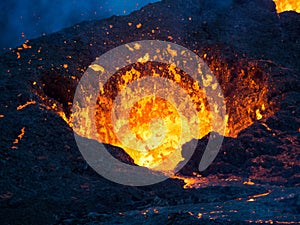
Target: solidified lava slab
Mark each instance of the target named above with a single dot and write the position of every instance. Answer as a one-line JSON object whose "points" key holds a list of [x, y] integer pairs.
{"points": [[43, 177]]}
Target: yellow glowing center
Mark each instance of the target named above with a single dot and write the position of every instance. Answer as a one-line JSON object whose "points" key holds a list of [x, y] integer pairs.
{"points": [[287, 5], [155, 123], [150, 128]]}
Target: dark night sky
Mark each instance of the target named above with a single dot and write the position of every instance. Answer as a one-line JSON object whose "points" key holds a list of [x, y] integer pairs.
{"points": [[22, 20]]}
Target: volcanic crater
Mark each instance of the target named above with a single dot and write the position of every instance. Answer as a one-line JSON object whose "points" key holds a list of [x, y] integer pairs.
{"points": [[252, 49]]}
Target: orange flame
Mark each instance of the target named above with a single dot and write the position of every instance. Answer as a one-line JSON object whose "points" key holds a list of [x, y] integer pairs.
{"points": [[287, 5]]}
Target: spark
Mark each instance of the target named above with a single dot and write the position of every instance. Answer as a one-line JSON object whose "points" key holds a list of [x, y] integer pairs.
{"points": [[249, 182]]}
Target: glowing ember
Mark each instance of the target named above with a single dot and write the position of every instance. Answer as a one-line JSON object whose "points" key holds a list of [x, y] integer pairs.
{"points": [[20, 107], [139, 25], [287, 5], [20, 136], [249, 182], [254, 197], [192, 182], [261, 195]]}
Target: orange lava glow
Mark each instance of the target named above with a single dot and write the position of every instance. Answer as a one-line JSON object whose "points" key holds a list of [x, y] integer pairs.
{"points": [[150, 128], [31, 102], [17, 140], [152, 131], [191, 182], [150, 134], [287, 5]]}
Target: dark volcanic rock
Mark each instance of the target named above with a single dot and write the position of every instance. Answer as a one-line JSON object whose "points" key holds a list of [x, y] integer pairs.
{"points": [[45, 180], [120, 154]]}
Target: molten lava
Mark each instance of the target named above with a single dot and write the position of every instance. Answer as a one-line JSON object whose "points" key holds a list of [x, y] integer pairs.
{"points": [[150, 128], [287, 5]]}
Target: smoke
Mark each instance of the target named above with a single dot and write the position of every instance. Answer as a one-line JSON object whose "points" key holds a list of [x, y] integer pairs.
{"points": [[22, 20]]}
